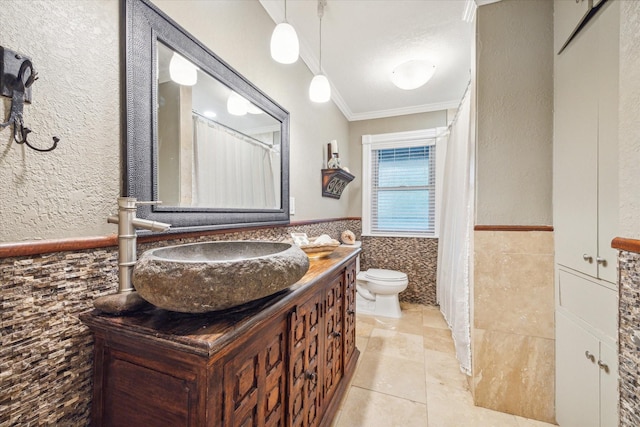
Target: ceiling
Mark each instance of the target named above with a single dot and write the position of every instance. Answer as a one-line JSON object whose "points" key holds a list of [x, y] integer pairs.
{"points": [[363, 40]]}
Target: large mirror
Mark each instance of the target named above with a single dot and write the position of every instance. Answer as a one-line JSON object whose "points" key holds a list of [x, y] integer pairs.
{"points": [[199, 136]]}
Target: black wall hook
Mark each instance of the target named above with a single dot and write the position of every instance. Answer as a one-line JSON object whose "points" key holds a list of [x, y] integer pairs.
{"points": [[16, 77]]}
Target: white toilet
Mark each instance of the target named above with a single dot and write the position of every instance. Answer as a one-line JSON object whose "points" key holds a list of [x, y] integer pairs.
{"points": [[378, 289], [377, 292]]}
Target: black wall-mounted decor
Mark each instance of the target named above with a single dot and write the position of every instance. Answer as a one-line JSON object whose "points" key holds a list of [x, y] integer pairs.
{"points": [[16, 77], [334, 181]]}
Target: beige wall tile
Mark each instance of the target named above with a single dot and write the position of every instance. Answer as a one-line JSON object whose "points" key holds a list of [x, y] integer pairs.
{"points": [[514, 374], [514, 289]]}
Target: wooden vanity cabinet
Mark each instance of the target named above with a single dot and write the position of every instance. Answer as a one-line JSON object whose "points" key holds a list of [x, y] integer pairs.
{"points": [[286, 362]]}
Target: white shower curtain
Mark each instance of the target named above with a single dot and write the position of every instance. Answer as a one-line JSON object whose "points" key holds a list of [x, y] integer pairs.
{"points": [[232, 170], [456, 224]]}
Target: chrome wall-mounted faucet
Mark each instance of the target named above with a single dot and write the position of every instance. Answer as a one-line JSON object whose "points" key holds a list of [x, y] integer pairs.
{"points": [[126, 299]]}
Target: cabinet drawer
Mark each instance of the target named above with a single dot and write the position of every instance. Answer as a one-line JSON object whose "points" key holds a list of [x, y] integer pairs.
{"points": [[594, 303]]}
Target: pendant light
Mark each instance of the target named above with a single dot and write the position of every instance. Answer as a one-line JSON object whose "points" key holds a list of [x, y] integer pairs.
{"points": [[320, 90], [182, 71], [285, 47]]}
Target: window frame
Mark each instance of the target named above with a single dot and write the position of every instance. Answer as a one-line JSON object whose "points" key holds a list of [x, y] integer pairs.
{"points": [[419, 138]]}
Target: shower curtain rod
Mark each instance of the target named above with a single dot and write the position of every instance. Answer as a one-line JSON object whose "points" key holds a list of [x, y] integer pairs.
{"points": [[250, 138], [455, 117]]}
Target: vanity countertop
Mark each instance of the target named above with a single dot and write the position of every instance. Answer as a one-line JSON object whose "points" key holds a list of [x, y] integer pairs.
{"points": [[205, 334]]}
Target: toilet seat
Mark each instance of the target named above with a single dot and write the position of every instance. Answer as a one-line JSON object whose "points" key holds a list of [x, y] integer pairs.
{"points": [[383, 275]]}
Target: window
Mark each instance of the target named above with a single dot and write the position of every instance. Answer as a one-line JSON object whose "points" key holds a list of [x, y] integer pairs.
{"points": [[400, 195]]}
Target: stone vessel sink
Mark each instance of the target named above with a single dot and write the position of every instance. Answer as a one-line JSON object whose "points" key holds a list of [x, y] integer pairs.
{"points": [[210, 276]]}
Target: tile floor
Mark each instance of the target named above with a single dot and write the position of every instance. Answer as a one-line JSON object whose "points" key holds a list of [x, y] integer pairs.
{"points": [[408, 376]]}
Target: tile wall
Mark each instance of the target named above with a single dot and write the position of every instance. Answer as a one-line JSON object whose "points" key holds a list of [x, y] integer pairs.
{"points": [[418, 257], [513, 323], [629, 338]]}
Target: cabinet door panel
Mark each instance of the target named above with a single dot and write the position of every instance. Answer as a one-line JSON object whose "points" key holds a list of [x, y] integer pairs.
{"points": [[350, 312], [254, 381], [576, 155], [608, 21], [334, 312], [304, 367], [577, 376], [608, 386]]}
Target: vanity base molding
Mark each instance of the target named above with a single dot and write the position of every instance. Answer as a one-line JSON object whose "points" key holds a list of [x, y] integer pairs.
{"points": [[281, 361]]}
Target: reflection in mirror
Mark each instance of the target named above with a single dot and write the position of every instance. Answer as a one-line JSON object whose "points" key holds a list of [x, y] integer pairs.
{"points": [[215, 148]]}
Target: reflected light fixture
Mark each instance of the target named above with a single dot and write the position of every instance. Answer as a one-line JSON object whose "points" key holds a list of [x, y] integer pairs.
{"points": [[209, 114], [285, 47], [182, 71], [320, 90], [412, 74], [237, 105]]}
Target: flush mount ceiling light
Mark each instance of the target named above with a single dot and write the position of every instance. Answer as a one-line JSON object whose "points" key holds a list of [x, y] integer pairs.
{"points": [[412, 74], [285, 47], [237, 104], [320, 90], [182, 71]]}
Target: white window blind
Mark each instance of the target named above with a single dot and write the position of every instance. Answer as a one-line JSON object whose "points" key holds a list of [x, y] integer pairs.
{"points": [[403, 190], [402, 182]]}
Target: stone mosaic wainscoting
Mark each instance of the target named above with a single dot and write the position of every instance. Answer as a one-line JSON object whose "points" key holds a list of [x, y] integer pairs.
{"points": [[513, 337], [417, 257], [46, 353], [629, 338]]}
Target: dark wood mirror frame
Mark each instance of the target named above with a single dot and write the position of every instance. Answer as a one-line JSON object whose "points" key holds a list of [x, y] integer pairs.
{"points": [[143, 24]]}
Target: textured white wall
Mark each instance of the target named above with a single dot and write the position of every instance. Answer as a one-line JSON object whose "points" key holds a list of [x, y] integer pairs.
{"points": [[514, 58], [70, 191], [629, 118], [75, 48]]}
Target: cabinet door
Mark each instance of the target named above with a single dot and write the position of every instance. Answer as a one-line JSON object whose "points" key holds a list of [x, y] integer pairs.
{"points": [[568, 14], [608, 26], [304, 365], [608, 386], [255, 381], [349, 312], [576, 154], [577, 375], [333, 321]]}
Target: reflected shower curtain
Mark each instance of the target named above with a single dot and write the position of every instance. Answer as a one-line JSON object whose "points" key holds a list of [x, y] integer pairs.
{"points": [[456, 225], [232, 170]]}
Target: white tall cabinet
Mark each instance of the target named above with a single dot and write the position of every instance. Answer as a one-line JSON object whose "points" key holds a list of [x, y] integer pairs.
{"points": [[586, 219]]}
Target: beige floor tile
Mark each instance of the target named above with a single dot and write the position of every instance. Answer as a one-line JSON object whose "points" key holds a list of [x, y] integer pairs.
{"points": [[364, 325], [410, 323], [361, 343], [392, 375], [444, 369], [526, 422], [365, 408], [450, 407], [398, 344], [438, 339], [432, 318]]}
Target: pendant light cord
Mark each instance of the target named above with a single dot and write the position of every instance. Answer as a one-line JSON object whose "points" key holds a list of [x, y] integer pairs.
{"points": [[321, 5]]}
